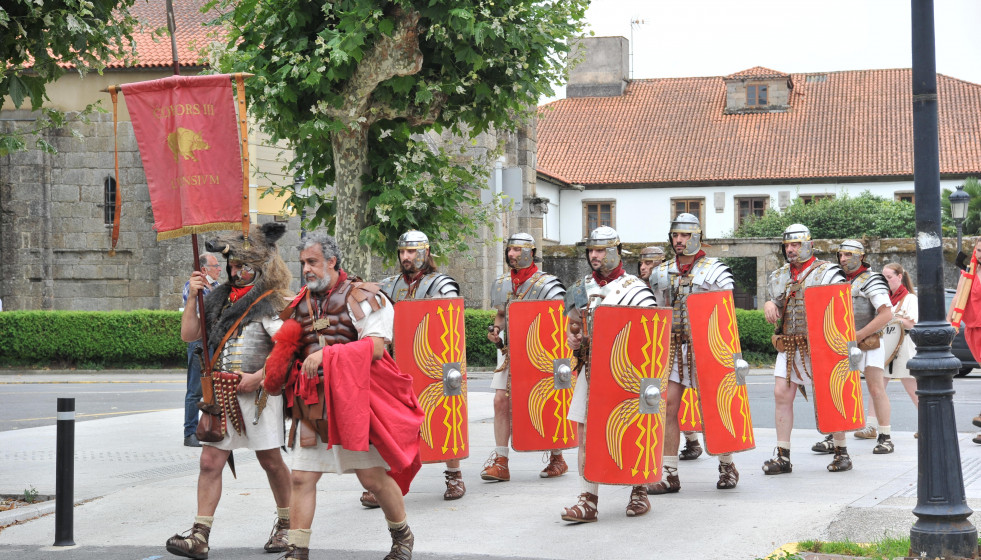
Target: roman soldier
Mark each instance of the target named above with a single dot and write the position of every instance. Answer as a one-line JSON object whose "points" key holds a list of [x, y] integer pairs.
{"points": [[242, 316], [873, 310], [785, 309], [607, 284], [690, 271], [524, 282], [353, 409], [419, 279], [650, 258]]}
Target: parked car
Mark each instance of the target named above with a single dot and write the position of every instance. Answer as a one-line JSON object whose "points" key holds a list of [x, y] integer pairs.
{"points": [[959, 346]]}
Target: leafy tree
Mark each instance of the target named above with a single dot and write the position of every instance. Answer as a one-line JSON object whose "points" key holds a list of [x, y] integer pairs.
{"points": [[972, 223], [41, 41], [837, 218], [359, 88]]}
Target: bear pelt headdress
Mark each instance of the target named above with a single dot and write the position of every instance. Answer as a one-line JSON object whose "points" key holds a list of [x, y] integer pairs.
{"points": [[260, 253]]}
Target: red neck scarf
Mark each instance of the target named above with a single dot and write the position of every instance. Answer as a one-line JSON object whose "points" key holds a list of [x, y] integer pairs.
{"points": [[613, 275], [521, 275], [851, 275], [795, 270], [237, 293], [684, 269], [898, 295]]}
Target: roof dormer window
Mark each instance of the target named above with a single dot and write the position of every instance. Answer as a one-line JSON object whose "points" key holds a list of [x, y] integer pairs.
{"points": [[756, 95]]}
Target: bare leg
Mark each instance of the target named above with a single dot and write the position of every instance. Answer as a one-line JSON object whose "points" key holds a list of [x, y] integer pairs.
{"points": [[271, 461], [672, 429], [910, 385], [303, 498], [502, 418], [783, 410], [209, 479], [877, 390], [386, 490]]}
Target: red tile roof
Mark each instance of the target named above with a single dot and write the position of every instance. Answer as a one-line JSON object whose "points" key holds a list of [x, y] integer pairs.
{"points": [[758, 72], [192, 35], [853, 124]]}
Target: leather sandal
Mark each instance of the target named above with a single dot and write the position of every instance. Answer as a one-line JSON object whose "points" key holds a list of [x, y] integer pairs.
{"points": [[780, 463], [692, 450], [556, 467], [883, 445], [192, 543], [402, 542], [295, 553], [826, 445], [670, 484], [278, 541], [496, 469], [976, 439], [369, 500], [976, 420], [638, 504], [728, 476], [455, 489], [584, 511], [842, 462], [868, 432]]}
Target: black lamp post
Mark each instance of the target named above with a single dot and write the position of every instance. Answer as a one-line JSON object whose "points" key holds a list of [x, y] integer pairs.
{"points": [[942, 528], [959, 201]]}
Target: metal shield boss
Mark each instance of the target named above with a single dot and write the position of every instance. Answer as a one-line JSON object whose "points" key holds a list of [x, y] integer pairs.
{"points": [[430, 346], [837, 386], [628, 374], [542, 379], [721, 373]]}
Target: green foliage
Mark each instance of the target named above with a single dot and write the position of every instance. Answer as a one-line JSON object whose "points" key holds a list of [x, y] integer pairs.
{"points": [[837, 218], [30, 495], [884, 549], [972, 223], [405, 74], [481, 353], [754, 332], [743, 271], [41, 41], [111, 338]]}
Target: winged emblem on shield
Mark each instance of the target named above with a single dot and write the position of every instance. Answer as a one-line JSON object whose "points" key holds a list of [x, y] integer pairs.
{"points": [[835, 357], [429, 345], [542, 380], [628, 375], [721, 373]]}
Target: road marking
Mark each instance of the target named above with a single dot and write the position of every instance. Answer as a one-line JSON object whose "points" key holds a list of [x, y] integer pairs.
{"points": [[93, 414]]}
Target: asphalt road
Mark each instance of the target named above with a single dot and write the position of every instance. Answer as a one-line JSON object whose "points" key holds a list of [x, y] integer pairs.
{"points": [[28, 401]]}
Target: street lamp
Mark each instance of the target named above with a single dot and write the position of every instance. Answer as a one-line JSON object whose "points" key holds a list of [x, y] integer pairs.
{"points": [[959, 201]]}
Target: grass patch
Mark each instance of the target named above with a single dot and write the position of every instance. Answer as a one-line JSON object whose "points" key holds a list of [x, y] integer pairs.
{"points": [[759, 359], [884, 549]]}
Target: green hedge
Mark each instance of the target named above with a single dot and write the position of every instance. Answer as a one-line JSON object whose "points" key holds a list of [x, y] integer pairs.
{"points": [[152, 338], [92, 338]]}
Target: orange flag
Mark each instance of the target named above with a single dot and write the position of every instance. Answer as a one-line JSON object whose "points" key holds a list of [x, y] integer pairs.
{"points": [[185, 127]]}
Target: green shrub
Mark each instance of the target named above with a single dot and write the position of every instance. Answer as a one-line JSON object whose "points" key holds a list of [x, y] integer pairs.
{"points": [[754, 331], [94, 338], [481, 353]]}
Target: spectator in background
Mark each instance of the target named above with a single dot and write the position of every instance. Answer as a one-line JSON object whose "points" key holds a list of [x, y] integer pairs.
{"points": [[208, 264]]}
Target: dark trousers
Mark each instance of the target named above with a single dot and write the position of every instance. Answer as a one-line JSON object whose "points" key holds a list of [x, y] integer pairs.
{"points": [[193, 395]]}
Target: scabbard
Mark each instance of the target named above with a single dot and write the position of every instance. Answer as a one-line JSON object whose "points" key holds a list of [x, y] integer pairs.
{"points": [[207, 389]]}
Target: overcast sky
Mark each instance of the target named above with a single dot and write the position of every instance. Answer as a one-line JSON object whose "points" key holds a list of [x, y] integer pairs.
{"points": [[685, 38]]}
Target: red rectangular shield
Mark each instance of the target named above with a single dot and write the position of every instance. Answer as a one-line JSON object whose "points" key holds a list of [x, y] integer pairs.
{"points": [[537, 344], [830, 335], [728, 426], [690, 412], [430, 345], [628, 355]]}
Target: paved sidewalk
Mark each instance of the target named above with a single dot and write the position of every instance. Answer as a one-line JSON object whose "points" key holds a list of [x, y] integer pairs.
{"points": [[137, 487]]}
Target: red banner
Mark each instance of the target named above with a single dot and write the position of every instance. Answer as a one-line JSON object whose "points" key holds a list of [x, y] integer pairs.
{"points": [[185, 127]]}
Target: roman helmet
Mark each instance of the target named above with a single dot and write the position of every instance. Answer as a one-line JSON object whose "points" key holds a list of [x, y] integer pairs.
{"points": [[687, 223], [417, 240], [651, 253], [526, 243], [858, 255], [798, 233], [605, 237]]}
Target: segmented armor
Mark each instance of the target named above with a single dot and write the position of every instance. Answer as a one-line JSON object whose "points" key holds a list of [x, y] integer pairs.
{"points": [[625, 290], [434, 284], [788, 295], [540, 286], [247, 352], [865, 286]]}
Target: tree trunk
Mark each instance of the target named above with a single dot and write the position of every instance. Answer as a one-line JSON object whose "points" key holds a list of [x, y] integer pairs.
{"points": [[350, 165]]}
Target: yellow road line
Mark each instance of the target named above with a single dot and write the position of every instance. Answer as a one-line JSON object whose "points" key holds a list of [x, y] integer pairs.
{"points": [[94, 414]]}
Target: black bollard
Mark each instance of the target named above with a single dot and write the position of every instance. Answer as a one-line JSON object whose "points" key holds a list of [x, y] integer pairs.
{"points": [[65, 474]]}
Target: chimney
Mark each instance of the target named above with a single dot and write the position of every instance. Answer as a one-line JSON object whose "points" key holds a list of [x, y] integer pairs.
{"points": [[602, 69]]}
